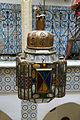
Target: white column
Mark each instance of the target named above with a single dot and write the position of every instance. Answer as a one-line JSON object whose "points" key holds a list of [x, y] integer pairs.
{"points": [[26, 13]]}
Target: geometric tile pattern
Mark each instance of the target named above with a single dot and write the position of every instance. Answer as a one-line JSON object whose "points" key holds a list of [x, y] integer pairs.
{"points": [[8, 80], [28, 110], [10, 28], [73, 79]]}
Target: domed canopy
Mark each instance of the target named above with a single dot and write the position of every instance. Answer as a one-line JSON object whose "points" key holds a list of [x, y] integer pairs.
{"points": [[40, 40]]}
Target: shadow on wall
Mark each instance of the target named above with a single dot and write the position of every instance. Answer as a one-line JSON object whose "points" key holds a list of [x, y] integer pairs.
{"points": [[68, 111], [4, 116]]}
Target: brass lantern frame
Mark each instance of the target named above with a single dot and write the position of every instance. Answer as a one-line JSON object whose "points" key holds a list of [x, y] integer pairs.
{"points": [[28, 80]]}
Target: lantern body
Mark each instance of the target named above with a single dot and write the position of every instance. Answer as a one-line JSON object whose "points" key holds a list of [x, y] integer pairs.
{"points": [[40, 75]]}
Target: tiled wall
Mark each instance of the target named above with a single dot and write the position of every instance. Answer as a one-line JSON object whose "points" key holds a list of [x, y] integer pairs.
{"points": [[29, 110], [8, 80], [73, 79], [10, 28]]}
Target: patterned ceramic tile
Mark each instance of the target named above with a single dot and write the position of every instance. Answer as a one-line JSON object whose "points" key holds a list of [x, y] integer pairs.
{"points": [[10, 28], [73, 79], [29, 110], [8, 80]]}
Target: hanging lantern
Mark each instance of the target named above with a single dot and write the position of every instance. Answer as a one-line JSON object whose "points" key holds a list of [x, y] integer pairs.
{"points": [[40, 75]]}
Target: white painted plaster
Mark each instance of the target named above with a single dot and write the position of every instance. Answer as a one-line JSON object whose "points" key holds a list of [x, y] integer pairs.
{"points": [[11, 105], [72, 63], [7, 64]]}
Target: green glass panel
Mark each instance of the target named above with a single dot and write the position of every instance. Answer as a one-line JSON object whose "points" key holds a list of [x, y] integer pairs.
{"points": [[43, 95]]}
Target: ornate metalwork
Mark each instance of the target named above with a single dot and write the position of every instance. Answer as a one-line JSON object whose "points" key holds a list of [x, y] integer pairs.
{"points": [[40, 24], [40, 40], [41, 76], [60, 69]]}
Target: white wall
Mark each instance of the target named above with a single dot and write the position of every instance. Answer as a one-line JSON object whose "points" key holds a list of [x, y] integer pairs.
{"points": [[11, 105], [48, 2]]}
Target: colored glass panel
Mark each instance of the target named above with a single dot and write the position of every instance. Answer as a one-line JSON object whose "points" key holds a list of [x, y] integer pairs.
{"points": [[33, 74], [43, 95], [43, 81], [48, 81], [33, 80], [22, 80], [40, 81], [43, 88], [44, 74], [44, 65]]}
